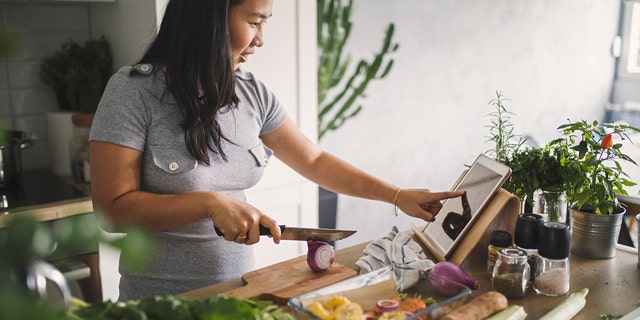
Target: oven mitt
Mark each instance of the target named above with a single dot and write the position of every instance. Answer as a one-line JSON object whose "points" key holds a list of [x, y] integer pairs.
{"points": [[398, 249]]}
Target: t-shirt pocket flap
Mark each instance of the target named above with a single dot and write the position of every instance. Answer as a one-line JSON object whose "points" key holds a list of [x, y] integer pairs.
{"points": [[172, 160], [261, 154]]}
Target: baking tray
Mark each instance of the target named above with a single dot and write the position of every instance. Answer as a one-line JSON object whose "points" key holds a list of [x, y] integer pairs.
{"points": [[368, 288]]}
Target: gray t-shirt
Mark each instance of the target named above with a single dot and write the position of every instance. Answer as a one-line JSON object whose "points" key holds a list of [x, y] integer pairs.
{"points": [[137, 111]]}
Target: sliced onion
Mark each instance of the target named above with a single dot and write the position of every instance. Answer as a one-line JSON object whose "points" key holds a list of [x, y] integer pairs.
{"points": [[387, 305], [320, 255]]}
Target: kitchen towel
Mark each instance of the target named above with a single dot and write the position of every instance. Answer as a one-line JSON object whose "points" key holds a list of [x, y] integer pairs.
{"points": [[400, 251]]}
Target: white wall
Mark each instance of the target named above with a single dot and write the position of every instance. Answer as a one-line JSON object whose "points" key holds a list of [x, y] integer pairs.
{"points": [[427, 119], [129, 25]]}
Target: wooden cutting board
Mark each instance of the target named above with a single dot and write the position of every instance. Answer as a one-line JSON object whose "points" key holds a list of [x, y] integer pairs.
{"points": [[288, 279]]}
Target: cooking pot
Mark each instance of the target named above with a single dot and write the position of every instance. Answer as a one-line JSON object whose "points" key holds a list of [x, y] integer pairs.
{"points": [[11, 144]]}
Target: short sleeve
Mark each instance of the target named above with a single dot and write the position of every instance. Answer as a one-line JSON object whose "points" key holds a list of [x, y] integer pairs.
{"points": [[272, 113], [121, 117]]}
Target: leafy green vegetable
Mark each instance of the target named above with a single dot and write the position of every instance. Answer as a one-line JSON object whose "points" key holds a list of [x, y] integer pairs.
{"points": [[269, 311], [175, 308]]}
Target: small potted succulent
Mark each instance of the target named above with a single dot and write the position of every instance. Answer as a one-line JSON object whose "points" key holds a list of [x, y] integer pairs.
{"points": [[593, 151]]}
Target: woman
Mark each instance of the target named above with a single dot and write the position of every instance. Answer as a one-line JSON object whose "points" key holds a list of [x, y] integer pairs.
{"points": [[178, 137]]}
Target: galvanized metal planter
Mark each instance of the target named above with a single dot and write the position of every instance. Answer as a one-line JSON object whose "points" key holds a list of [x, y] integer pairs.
{"points": [[595, 236]]}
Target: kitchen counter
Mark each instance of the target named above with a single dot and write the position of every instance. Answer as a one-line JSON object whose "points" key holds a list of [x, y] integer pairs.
{"points": [[56, 209], [51, 211], [613, 283]]}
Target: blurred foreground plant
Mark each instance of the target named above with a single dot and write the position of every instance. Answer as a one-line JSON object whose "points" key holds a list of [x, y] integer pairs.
{"points": [[25, 239]]}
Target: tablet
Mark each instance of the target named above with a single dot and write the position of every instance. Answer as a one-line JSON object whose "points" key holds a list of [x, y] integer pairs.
{"points": [[481, 182]]}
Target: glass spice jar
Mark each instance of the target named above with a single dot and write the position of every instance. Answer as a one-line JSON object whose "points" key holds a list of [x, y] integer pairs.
{"points": [[511, 273], [499, 240]]}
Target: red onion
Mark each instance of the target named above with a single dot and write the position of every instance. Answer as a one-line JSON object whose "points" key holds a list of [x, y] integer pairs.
{"points": [[446, 277], [387, 305], [320, 255]]}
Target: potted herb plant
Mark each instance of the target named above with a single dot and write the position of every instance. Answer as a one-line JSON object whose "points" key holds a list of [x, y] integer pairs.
{"points": [[596, 214], [540, 178], [78, 74], [539, 175]]}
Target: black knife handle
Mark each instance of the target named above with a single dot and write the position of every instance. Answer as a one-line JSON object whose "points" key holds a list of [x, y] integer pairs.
{"points": [[264, 231]]}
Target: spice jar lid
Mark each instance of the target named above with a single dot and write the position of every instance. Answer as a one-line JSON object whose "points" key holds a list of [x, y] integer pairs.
{"points": [[500, 238], [527, 229], [512, 255], [555, 240]]}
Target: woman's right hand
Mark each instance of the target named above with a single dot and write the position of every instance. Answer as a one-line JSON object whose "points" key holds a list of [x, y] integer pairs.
{"points": [[240, 222]]}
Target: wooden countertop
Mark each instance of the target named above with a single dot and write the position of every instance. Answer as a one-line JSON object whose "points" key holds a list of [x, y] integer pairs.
{"points": [[50, 211], [613, 283]]}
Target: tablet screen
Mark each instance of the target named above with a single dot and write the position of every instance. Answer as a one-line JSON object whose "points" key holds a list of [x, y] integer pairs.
{"points": [[482, 181]]}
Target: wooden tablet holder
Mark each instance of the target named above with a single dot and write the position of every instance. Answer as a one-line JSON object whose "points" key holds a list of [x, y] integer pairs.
{"points": [[501, 214]]}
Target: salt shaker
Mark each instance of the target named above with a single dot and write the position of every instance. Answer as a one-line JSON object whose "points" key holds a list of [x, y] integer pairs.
{"points": [[552, 271], [526, 237], [511, 273]]}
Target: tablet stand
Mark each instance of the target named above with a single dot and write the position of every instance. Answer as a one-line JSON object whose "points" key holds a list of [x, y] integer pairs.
{"points": [[501, 214]]}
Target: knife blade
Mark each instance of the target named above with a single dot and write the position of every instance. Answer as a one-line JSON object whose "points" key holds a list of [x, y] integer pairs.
{"points": [[304, 234]]}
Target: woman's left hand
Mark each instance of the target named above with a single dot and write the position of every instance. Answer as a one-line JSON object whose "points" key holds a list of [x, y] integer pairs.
{"points": [[422, 203]]}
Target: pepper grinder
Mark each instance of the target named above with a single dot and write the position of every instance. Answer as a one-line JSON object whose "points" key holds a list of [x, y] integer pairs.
{"points": [[526, 238], [552, 271]]}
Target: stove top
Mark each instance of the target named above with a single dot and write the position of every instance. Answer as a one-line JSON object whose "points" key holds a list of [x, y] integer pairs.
{"points": [[37, 187]]}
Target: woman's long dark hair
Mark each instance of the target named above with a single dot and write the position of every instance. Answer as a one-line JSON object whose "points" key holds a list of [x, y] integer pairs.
{"points": [[194, 48]]}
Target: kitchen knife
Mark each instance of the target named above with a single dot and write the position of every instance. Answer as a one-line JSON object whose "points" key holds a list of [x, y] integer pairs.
{"points": [[304, 234]]}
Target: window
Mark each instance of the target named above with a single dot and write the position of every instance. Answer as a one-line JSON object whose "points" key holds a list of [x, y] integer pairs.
{"points": [[633, 61]]}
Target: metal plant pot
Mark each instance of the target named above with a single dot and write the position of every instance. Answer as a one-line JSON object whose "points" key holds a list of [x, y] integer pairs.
{"points": [[595, 236]]}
